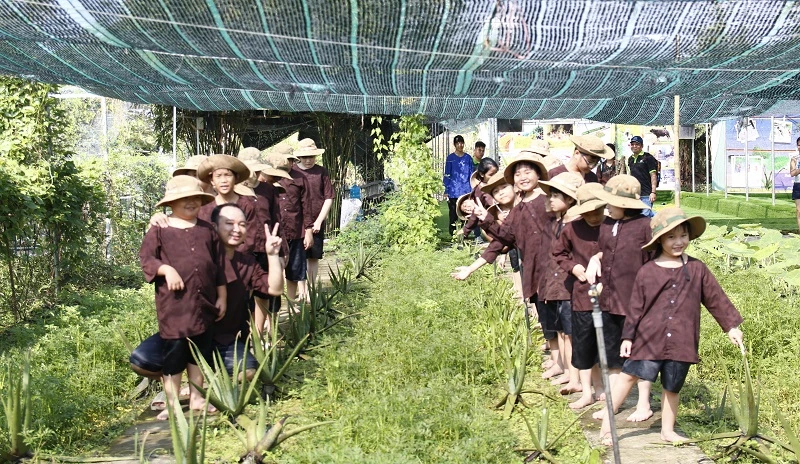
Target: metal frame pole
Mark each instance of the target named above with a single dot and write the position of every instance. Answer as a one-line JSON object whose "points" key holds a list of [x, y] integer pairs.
{"points": [[693, 170], [772, 156], [597, 319], [677, 147], [174, 137], [746, 163], [708, 157]]}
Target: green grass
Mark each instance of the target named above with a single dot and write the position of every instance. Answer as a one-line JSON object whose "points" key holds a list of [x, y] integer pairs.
{"points": [[80, 377], [407, 381]]}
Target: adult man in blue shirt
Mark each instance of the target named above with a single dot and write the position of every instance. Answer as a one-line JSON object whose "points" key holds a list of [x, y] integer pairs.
{"points": [[458, 168]]}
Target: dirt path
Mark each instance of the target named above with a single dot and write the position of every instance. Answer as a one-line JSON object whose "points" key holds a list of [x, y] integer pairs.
{"points": [[158, 443]]}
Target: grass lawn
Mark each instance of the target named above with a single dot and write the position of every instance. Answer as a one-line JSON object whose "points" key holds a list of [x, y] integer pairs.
{"points": [[408, 381]]}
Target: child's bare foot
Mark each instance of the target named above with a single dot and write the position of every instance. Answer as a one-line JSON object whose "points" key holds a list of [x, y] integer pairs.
{"points": [[561, 379], [605, 439], [184, 393], [582, 402], [601, 397], [672, 436], [599, 415], [553, 371], [640, 415], [571, 388], [163, 415], [547, 364]]}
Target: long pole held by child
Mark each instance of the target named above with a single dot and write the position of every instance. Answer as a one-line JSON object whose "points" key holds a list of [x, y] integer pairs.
{"points": [[597, 317]]}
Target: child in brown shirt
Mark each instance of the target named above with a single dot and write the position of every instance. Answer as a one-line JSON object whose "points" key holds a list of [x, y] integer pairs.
{"points": [[622, 236], [555, 288], [572, 252], [320, 191], [662, 331], [187, 264]]}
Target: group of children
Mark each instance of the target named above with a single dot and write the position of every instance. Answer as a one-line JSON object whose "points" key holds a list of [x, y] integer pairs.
{"points": [[569, 232], [236, 225]]}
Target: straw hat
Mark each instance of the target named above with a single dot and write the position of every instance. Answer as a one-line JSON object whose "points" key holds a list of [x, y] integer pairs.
{"points": [[473, 180], [592, 145], [495, 181], [622, 191], [279, 157], [244, 190], [566, 182], [540, 147], [528, 157], [282, 149], [460, 201], [307, 147], [587, 199], [249, 153], [214, 162], [191, 164], [182, 186], [551, 162], [670, 218]]}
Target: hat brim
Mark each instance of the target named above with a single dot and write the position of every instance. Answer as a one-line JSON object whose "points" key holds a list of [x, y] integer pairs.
{"points": [[309, 152], [183, 171], [214, 162], [205, 198], [473, 180], [243, 190], [275, 172], [586, 207], [489, 188], [620, 201], [546, 185], [608, 153], [508, 172], [697, 226]]}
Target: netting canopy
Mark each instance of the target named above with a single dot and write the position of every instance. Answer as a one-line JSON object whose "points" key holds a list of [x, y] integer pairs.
{"points": [[616, 61]]}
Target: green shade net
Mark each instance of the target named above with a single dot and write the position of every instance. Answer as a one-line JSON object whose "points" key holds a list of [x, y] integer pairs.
{"points": [[615, 61]]}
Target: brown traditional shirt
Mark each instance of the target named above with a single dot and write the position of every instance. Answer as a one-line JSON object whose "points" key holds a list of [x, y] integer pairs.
{"points": [[295, 206], [622, 258], [522, 227], [485, 199], [247, 276], [269, 212], [320, 188], [199, 258], [556, 284], [664, 318], [576, 245], [248, 207]]}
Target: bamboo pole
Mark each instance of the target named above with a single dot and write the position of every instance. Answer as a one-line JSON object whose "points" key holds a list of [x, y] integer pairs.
{"points": [[772, 155], [693, 176], [174, 137], [746, 163], [676, 143]]}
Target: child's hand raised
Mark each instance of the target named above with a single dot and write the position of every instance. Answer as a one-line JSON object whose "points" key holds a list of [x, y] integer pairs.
{"points": [[273, 243], [625, 349], [736, 337], [174, 281], [479, 211]]}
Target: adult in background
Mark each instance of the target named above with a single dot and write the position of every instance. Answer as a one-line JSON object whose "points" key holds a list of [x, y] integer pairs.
{"points": [[794, 171], [644, 167], [478, 152], [458, 168], [610, 167]]}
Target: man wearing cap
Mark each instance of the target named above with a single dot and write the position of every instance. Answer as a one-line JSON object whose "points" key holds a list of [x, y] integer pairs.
{"points": [[458, 168], [644, 167]]}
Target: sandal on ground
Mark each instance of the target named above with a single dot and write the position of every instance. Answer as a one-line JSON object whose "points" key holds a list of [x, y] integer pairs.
{"points": [[159, 402]]}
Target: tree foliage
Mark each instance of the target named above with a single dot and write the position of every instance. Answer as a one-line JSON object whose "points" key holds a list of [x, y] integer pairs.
{"points": [[408, 217], [49, 209]]}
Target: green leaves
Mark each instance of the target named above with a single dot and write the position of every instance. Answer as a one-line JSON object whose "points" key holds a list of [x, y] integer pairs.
{"points": [[15, 398]]}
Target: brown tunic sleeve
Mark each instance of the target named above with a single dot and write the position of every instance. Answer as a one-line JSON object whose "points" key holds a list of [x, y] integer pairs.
{"points": [[577, 244], [150, 254], [254, 224], [665, 311], [622, 258]]}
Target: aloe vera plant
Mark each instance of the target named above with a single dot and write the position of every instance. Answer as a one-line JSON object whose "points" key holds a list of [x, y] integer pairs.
{"points": [[341, 278], [362, 260], [185, 435], [229, 393], [540, 436], [258, 436], [745, 407], [16, 402], [274, 356]]}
